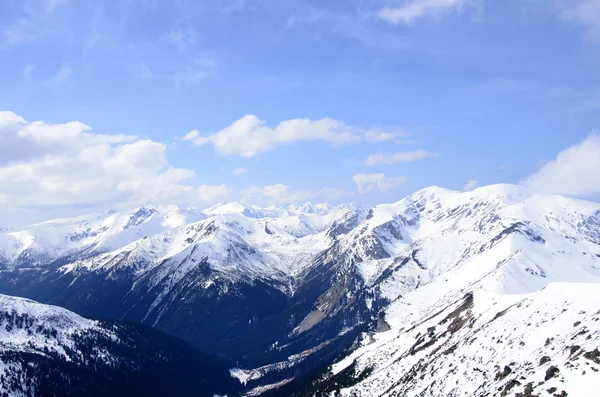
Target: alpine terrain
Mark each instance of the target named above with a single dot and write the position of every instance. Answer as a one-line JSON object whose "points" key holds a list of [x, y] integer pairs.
{"points": [[443, 293], [46, 350]]}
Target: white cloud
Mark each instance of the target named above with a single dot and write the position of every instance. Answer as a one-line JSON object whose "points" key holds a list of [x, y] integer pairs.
{"points": [[192, 135], [399, 157], [250, 136], [574, 172], [369, 182], [414, 9], [239, 171], [377, 136], [470, 185], [582, 12], [282, 194], [193, 71], [23, 141], [68, 164], [213, 194]]}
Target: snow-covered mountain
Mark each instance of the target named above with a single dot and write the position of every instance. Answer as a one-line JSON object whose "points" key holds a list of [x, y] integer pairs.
{"points": [[484, 344], [284, 290], [469, 278], [87, 235], [48, 350]]}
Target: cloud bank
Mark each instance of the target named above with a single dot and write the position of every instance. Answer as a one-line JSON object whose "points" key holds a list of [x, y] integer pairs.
{"points": [[574, 172], [68, 164]]}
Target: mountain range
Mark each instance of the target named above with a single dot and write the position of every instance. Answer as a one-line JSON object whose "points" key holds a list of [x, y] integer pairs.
{"points": [[441, 293]]}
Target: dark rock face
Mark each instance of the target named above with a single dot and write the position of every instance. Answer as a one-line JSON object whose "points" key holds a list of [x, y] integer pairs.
{"points": [[551, 373]]}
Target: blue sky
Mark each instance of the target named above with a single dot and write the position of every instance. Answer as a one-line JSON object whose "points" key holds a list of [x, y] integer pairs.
{"points": [[438, 92]]}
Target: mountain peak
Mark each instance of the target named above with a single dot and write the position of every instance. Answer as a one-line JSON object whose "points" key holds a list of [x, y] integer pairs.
{"points": [[507, 190]]}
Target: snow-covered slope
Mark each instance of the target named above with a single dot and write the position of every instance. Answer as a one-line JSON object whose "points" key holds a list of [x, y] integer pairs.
{"points": [[442, 230], [298, 220], [240, 242], [28, 326], [48, 350], [429, 247], [484, 344], [453, 268]]}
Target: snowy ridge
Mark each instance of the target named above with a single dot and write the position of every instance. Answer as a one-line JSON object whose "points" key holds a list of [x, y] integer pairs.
{"points": [[28, 326], [96, 233], [454, 267], [499, 237], [41, 243], [235, 245], [487, 344], [31, 329], [48, 350]]}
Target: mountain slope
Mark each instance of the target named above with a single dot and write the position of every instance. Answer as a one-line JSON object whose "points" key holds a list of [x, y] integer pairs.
{"points": [[435, 243], [47, 350], [225, 283], [481, 345], [284, 290]]}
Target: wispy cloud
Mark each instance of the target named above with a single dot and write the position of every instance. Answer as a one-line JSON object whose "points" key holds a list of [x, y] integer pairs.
{"points": [[470, 185], [33, 23], [356, 25], [582, 12], [283, 194], [378, 136], [377, 182], [27, 70], [200, 68], [412, 10], [399, 157], [239, 171], [52, 5], [182, 36], [62, 74], [21, 32]]}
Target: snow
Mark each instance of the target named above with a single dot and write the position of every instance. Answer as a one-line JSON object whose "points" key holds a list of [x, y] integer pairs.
{"points": [[30, 336], [240, 374], [260, 390], [500, 330], [500, 241], [94, 233], [503, 243]]}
